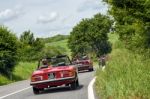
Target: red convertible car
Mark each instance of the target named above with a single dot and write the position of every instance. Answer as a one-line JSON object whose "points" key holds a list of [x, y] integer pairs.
{"points": [[53, 72], [84, 63]]}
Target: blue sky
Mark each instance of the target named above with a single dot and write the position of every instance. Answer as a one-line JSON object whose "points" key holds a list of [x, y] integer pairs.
{"points": [[47, 17]]}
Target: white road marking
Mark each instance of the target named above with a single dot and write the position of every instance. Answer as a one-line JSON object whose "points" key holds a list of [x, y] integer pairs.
{"points": [[14, 92], [90, 89]]}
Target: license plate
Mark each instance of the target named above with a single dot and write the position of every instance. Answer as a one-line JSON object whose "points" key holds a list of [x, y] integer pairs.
{"points": [[51, 75]]}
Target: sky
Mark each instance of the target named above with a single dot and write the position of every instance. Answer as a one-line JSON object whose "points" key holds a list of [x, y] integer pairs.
{"points": [[46, 18]]}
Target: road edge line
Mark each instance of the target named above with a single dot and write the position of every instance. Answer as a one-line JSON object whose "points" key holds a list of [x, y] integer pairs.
{"points": [[90, 89], [14, 92]]}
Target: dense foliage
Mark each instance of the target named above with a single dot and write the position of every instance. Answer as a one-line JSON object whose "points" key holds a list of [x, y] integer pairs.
{"points": [[9, 46], [27, 37], [31, 48], [90, 35], [132, 22]]}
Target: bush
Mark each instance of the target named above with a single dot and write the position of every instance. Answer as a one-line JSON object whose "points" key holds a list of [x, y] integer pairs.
{"points": [[8, 50]]}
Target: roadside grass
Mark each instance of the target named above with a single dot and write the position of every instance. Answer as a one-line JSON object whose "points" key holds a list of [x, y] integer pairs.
{"points": [[126, 76], [4, 80], [21, 72]]}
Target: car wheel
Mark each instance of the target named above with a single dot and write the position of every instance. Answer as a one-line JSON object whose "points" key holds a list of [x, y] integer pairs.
{"points": [[66, 85], [77, 83], [91, 69], [73, 85], [36, 90]]}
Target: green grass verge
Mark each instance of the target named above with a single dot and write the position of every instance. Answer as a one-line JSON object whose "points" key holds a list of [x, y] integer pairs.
{"points": [[24, 69], [21, 72], [4, 80], [126, 76]]}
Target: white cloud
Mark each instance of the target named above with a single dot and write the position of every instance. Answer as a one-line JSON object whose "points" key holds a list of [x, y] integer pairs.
{"points": [[92, 5], [9, 14], [48, 18], [53, 16]]}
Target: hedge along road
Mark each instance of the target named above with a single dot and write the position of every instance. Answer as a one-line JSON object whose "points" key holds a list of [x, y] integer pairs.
{"points": [[22, 90]]}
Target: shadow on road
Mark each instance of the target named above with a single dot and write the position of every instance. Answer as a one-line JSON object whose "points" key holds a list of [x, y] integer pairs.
{"points": [[59, 89]]}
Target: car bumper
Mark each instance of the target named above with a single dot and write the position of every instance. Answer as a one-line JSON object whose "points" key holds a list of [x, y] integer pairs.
{"points": [[62, 80], [84, 67]]}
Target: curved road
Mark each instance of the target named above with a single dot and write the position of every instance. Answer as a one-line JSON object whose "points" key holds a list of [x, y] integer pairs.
{"points": [[22, 90]]}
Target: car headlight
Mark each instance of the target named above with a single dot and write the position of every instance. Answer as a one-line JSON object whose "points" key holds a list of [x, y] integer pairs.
{"points": [[71, 73], [67, 73]]}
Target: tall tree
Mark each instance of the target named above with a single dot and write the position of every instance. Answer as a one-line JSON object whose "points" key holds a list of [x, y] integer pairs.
{"points": [[78, 41], [27, 37], [91, 35], [98, 30], [132, 18], [30, 46]]}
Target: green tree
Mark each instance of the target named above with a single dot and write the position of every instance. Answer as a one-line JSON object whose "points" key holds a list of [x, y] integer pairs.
{"points": [[99, 27], [37, 47], [27, 37], [91, 35], [77, 41], [132, 22], [8, 50], [31, 48]]}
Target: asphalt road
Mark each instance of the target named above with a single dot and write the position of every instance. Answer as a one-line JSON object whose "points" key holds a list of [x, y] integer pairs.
{"points": [[10, 91]]}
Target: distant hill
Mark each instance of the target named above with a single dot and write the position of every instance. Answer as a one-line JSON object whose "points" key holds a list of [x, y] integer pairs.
{"points": [[54, 38], [63, 44]]}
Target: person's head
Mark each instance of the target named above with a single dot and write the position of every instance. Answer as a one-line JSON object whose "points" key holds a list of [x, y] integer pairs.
{"points": [[44, 61]]}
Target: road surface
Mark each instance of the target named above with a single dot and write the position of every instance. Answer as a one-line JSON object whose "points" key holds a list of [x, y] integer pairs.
{"points": [[22, 90]]}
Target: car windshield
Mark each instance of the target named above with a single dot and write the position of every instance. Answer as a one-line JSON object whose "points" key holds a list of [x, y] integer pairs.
{"points": [[61, 61], [57, 61], [84, 58]]}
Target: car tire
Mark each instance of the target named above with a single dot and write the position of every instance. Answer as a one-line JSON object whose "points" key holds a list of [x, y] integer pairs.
{"points": [[91, 69], [77, 83], [36, 90], [66, 85], [73, 85]]}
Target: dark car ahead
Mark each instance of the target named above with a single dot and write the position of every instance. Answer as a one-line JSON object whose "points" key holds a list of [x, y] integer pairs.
{"points": [[84, 63]]}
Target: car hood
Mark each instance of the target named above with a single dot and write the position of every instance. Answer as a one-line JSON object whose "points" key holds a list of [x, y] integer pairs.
{"points": [[52, 69]]}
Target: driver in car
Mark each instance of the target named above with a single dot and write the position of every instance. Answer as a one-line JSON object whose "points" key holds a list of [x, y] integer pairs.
{"points": [[45, 64]]}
